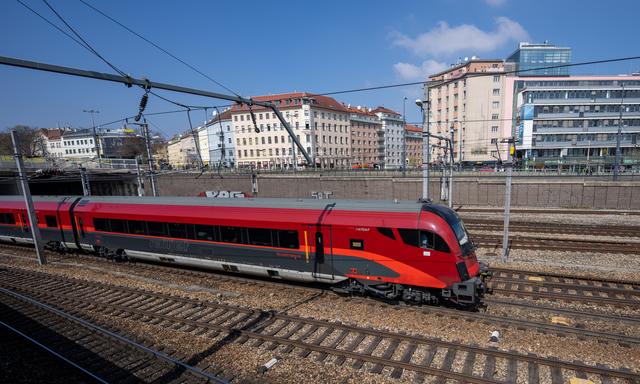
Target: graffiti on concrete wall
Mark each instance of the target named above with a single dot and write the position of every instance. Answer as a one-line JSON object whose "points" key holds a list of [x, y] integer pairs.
{"points": [[321, 195], [225, 194]]}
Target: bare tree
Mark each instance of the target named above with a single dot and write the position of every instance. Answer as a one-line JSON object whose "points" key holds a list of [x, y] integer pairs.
{"points": [[30, 141]]}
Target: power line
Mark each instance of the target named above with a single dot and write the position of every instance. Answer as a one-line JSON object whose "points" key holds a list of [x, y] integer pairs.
{"points": [[480, 74], [88, 46], [158, 47], [83, 43]]}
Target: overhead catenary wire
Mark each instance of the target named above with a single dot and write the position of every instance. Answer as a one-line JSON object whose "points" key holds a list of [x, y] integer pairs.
{"points": [[158, 47], [83, 43]]}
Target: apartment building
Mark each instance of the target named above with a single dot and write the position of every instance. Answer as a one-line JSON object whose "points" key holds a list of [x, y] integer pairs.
{"points": [[182, 153], [574, 121], [468, 98], [367, 139], [49, 143], [413, 139], [320, 123], [221, 141], [392, 125]]}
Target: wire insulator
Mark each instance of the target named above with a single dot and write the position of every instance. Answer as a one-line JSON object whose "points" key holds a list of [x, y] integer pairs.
{"points": [[143, 105]]}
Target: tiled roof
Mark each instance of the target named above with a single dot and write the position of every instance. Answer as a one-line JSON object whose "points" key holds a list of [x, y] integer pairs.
{"points": [[413, 128], [385, 110], [361, 111], [52, 134], [289, 100]]}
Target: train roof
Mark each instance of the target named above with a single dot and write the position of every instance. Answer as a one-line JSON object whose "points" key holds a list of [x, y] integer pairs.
{"points": [[313, 204]]}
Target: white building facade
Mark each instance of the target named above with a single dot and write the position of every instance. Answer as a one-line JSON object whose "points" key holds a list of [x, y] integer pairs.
{"points": [[393, 133]]}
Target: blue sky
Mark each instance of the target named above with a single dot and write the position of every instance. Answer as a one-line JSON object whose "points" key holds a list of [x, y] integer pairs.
{"points": [[264, 47]]}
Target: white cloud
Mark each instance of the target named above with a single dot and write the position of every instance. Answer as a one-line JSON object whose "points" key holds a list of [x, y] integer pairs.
{"points": [[445, 40], [495, 3], [413, 72]]}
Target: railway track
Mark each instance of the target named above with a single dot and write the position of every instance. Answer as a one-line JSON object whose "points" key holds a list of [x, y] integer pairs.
{"points": [[565, 288], [545, 244], [568, 211], [376, 351], [578, 329], [555, 228], [102, 355]]}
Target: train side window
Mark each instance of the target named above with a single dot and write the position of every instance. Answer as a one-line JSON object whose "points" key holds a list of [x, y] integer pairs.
{"points": [[388, 232], [137, 227], [231, 235], [100, 224], [7, 218], [288, 239], [260, 236], [430, 240], [157, 228], [440, 244], [204, 232], [51, 221], [410, 236], [117, 225], [177, 230], [356, 244]]}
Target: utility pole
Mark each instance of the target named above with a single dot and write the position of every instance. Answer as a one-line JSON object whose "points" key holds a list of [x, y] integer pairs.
{"points": [[616, 166], [96, 141], [507, 200], [147, 143], [451, 169], [84, 180], [426, 148], [404, 137], [28, 201], [140, 179]]}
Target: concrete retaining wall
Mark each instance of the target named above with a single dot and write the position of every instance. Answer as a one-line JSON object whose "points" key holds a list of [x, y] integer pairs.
{"points": [[483, 191]]}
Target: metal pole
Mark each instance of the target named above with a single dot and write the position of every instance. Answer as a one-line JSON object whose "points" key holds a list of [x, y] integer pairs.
{"points": [[451, 170], [140, 179], [96, 141], [404, 137], [28, 201], [426, 150], [507, 203], [147, 141], [618, 154], [86, 187], [130, 81]]}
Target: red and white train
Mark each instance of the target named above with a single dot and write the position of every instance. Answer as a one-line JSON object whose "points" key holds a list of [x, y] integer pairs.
{"points": [[411, 251]]}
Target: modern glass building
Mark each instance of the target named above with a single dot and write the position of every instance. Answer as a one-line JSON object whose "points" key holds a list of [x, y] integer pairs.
{"points": [[575, 121], [530, 56]]}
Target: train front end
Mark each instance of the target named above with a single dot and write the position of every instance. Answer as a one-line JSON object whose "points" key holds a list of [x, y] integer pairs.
{"points": [[468, 282]]}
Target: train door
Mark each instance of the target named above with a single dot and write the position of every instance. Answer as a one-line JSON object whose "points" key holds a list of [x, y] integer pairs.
{"points": [[322, 245]]}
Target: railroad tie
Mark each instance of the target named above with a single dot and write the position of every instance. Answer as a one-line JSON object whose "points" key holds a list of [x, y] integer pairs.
{"points": [[406, 357], [370, 348], [426, 362], [391, 348], [449, 357], [350, 348]]}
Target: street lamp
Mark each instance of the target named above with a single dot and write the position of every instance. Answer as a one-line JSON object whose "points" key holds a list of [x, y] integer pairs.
{"points": [[404, 137], [426, 152], [95, 136]]}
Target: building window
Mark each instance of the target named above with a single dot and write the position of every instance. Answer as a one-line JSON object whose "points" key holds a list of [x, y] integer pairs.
{"points": [[494, 128], [494, 116], [496, 91], [496, 78], [495, 105]]}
